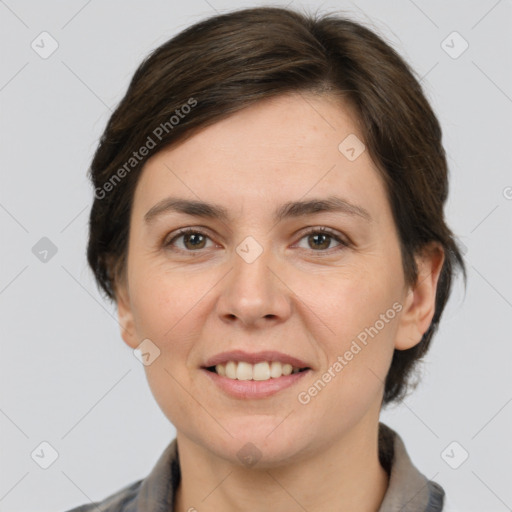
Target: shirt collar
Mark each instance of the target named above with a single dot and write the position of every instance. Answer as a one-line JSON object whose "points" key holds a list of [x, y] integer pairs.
{"points": [[408, 489]]}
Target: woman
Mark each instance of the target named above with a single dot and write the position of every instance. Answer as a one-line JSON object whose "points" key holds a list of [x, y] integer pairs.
{"points": [[268, 218]]}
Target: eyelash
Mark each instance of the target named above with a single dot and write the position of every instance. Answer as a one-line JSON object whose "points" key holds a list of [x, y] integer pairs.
{"points": [[319, 230]]}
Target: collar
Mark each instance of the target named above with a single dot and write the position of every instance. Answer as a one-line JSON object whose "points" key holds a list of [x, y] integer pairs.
{"points": [[408, 489]]}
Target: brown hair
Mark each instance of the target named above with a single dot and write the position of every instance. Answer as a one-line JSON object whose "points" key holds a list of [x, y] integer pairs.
{"points": [[230, 61]]}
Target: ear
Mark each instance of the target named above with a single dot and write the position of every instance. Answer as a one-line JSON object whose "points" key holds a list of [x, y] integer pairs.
{"points": [[125, 316], [420, 301]]}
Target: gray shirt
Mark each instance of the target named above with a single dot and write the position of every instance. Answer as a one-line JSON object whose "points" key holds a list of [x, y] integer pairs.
{"points": [[408, 489]]}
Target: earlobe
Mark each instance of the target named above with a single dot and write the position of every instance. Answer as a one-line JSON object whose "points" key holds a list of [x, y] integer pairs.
{"points": [[125, 316], [420, 301]]}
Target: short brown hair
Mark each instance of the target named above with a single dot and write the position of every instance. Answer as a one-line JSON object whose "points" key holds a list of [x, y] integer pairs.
{"points": [[225, 63]]}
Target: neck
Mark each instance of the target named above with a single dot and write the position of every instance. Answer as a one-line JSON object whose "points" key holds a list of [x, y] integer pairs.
{"points": [[347, 473]]}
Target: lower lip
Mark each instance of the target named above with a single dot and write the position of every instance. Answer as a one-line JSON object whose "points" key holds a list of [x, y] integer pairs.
{"points": [[248, 389]]}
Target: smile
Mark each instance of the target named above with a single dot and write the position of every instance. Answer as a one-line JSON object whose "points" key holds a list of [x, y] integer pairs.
{"points": [[254, 375], [265, 370]]}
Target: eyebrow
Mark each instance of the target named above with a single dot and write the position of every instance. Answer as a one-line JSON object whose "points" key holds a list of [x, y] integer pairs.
{"points": [[291, 209]]}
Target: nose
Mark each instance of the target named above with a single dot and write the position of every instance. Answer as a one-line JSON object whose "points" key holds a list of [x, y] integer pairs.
{"points": [[253, 294]]}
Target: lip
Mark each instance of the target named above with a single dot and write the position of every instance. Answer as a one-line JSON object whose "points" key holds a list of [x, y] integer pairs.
{"points": [[253, 389], [255, 357]]}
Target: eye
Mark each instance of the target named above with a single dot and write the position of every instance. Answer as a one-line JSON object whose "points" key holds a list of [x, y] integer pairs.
{"points": [[193, 240], [320, 239]]}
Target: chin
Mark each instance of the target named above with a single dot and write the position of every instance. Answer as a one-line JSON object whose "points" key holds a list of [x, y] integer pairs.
{"points": [[259, 441]]}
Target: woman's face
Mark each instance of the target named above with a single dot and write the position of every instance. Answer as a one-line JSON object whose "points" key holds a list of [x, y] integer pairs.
{"points": [[265, 282]]}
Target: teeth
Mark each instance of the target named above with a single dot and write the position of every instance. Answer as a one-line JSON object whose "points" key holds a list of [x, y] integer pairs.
{"points": [[287, 369], [244, 371], [230, 370], [260, 371], [276, 369]]}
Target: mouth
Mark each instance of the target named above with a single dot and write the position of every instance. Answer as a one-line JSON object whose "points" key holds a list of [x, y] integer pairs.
{"points": [[244, 375], [262, 371]]}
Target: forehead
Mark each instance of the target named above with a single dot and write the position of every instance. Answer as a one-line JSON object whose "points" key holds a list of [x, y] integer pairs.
{"points": [[275, 150]]}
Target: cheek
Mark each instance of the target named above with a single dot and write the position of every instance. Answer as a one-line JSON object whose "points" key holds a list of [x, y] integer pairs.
{"points": [[361, 308], [357, 355], [162, 299], [355, 298], [166, 310]]}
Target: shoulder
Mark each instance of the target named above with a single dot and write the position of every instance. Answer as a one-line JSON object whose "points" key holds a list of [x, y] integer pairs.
{"points": [[121, 501]]}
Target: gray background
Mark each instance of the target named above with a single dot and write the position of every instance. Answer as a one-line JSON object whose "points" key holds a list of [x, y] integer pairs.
{"points": [[67, 377]]}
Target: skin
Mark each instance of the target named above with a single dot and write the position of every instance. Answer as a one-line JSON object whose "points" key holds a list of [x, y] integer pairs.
{"points": [[301, 296]]}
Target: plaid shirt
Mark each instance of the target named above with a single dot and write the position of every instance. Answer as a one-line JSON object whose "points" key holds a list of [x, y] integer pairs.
{"points": [[408, 489]]}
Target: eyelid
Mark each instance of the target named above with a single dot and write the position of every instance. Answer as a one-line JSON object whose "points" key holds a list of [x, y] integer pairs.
{"points": [[170, 237], [342, 239], [324, 229]]}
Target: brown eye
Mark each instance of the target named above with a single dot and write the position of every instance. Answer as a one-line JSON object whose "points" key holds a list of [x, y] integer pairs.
{"points": [[192, 240], [320, 240]]}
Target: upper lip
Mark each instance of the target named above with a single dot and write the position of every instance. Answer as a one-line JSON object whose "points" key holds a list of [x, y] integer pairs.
{"points": [[254, 357]]}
